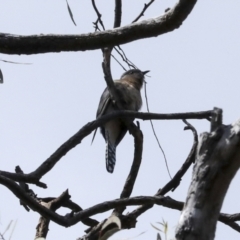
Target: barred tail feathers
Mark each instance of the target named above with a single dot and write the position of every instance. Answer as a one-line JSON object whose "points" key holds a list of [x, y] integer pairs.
{"points": [[110, 156]]}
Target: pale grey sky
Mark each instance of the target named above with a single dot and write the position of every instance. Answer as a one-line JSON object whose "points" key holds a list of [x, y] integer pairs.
{"points": [[194, 68]]}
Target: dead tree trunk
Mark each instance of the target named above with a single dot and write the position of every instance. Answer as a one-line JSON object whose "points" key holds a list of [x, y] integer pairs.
{"points": [[217, 161]]}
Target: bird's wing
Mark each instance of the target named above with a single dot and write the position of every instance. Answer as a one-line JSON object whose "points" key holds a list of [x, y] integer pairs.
{"points": [[103, 104]]}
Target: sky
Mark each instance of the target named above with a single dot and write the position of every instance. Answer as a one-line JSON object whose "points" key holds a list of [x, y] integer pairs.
{"points": [[193, 68]]}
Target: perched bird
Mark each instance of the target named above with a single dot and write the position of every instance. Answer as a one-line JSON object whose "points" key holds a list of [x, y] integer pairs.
{"points": [[128, 88]]}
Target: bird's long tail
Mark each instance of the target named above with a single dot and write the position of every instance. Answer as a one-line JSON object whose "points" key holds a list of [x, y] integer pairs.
{"points": [[110, 156]]}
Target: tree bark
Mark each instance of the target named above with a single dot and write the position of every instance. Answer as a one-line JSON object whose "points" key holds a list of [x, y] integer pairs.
{"points": [[217, 161], [153, 27]]}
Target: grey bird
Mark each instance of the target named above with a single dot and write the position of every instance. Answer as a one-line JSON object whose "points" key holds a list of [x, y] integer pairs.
{"points": [[128, 88]]}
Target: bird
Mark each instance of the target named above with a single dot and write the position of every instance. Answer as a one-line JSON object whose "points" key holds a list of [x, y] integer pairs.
{"points": [[128, 88]]}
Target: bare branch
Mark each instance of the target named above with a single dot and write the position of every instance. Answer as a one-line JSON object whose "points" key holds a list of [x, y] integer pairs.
{"points": [[50, 202], [129, 184], [25, 188], [106, 206], [72, 142], [35, 206], [175, 181], [138, 143], [99, 17], [216, 120], [120, 51], [29, 178], [118, 13], [217, 161], [53, 205], [34, 44], [229, 219], [143, 11], [129, 221], [71, 219], [118, 62]]}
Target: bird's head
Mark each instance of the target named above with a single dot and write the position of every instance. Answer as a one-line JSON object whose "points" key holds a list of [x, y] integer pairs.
{"points": [[135, 76]]}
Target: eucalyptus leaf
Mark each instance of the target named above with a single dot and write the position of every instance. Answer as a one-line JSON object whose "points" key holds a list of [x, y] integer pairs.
{"points": [[1, 76], [70, 13]]}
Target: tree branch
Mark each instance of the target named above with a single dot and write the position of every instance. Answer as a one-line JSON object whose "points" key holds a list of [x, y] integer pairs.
{"points": [[229, 219], [118, 13], [129, 184], [35, 206], [34, 44], [53, 205], [71, 219], [143, 11], [138, 148], [72, 142], [217, 161], [99, 17], [174, 182]]}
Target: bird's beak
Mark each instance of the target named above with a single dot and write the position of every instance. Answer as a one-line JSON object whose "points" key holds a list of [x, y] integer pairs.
{"points": [[145, 72]]}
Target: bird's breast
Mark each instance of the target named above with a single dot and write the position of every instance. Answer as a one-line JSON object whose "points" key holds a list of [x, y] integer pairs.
{"points": [[130, 96]]}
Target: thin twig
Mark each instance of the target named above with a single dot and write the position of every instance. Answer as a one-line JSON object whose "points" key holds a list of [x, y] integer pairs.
{"points": [[117, 23], [124, 57], [118, 62], [128, 61], [143, 11], [165, 159], [99, 15], [14, 62], [175, 181], [2, 237]]}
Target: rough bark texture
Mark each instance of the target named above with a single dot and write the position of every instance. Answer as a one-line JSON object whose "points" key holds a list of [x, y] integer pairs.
{"points": [[34, 44], [217, 161]]}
